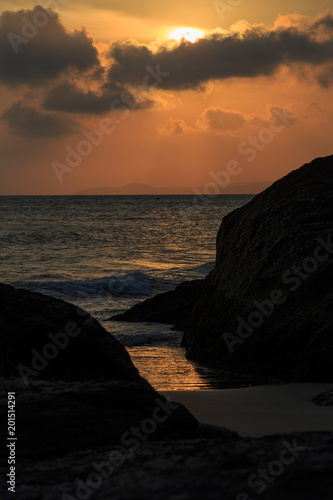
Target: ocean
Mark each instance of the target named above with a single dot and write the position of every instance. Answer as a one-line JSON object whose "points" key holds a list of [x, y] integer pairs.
{"points": [[106, 253]]}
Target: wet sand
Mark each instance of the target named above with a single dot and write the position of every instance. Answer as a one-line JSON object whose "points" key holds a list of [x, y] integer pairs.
{"points": [[260, 410]]}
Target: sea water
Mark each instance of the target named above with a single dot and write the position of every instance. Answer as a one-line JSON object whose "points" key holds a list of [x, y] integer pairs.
{"points": [[107, 253]]}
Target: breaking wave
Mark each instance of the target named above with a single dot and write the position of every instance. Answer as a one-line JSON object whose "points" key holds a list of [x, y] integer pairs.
{"points": [[120, 284]]}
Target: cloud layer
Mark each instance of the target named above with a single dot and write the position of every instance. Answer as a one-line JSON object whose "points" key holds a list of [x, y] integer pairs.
{"points": [[257, 51], [36, 48], [216, 118], [175, 127], [28, 122], [69, 98]]}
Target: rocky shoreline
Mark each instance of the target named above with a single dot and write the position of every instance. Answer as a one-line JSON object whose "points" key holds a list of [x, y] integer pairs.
{"points": [[88, 425], [82, 436], [266, 308]]}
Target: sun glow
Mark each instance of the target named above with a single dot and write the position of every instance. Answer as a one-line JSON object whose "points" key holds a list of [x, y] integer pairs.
{"points": [[188, 34]]}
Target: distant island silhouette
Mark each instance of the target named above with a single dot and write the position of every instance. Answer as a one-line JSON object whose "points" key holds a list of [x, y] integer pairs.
{"points": [[145, 189]]}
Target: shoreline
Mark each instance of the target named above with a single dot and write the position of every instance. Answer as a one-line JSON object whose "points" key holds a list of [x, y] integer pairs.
{"points": [[260, 410]]}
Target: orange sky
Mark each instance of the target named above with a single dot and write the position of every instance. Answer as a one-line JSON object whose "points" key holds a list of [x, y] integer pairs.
{"points": [[255, 90]]}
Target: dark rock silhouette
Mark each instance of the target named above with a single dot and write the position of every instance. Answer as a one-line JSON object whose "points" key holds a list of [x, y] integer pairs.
{"points": [[82, 349], [266, 308], [191, 469], [73, 392], [86, 396], [56, 418], [171, 307]]}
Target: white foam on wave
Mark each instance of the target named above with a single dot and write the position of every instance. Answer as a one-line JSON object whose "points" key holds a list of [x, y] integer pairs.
{"points": [[119, 284]]}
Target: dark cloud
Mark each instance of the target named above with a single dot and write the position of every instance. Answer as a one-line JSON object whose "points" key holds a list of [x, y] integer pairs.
{"points": [[46, 50], [69, 98], [216, 118], [28, 122], [257, 52], [35, 47], [325, 21]]}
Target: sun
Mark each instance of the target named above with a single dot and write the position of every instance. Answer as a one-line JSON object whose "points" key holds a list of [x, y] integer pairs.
{"points": [[188, 34]]}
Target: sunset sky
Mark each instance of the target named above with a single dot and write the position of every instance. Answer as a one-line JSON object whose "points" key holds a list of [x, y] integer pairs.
{"points": [[249, 86]]}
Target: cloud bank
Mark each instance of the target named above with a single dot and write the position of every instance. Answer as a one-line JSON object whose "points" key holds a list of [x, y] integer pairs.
{"points": [[28, 122], [257, 51], [36, 51], [35, 48]]}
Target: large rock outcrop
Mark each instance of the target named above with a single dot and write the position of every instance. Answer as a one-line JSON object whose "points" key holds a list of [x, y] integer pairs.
{"points": [[47, 338], [76, 386], [267, 307], [57, 418]]}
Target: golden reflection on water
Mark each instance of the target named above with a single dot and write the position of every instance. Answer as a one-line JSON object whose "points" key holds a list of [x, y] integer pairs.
{"points": [[167, 369], [155, 351]]}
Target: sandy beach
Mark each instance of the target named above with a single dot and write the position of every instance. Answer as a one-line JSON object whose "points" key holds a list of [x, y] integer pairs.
{"points": [[260, 410]]}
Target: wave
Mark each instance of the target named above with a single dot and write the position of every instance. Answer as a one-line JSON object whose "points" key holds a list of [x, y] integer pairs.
{"points": [[120, 284]]}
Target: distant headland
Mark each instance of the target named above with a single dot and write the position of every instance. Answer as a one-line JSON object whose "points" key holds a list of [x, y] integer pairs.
{"points": [[144, 189]]}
